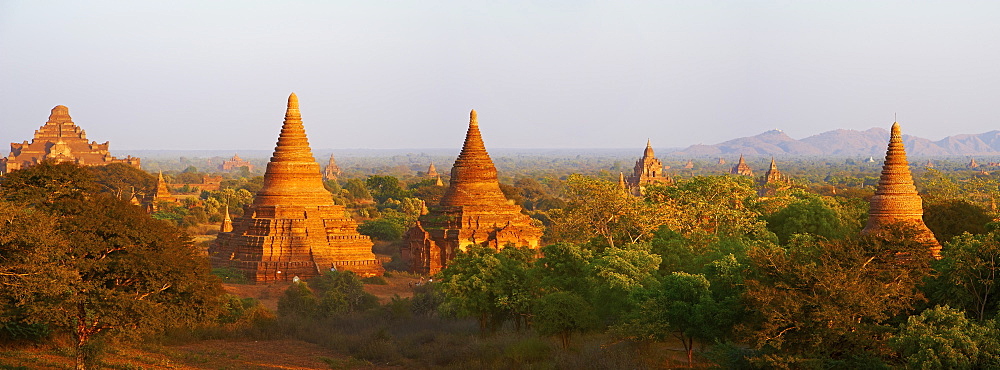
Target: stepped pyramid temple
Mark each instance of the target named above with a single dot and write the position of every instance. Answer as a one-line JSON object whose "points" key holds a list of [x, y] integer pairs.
{"points": [[60, 140], [332, 170], [235, 163], [896, 199], [689, 165], [741, 168], [472, 211], [647, 170], [293, 228]]}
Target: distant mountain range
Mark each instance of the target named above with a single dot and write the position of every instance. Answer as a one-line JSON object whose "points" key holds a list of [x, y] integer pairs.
{"points": [[871, 142]]}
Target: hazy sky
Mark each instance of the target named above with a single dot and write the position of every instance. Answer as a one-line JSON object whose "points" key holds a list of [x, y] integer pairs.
{"points": [[561, 74]]}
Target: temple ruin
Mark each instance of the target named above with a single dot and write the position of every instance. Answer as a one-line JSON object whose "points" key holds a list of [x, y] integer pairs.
{"points": [[648, 170], [60, 140], [473, 211], [741, 168]]}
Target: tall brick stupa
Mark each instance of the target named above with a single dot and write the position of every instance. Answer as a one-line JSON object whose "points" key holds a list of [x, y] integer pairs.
{"points": [[896, 200], [473, 211], [293, 228]]}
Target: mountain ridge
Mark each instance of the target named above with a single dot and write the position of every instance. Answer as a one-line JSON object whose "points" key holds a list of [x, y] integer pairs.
{"points": [[841, 142]]}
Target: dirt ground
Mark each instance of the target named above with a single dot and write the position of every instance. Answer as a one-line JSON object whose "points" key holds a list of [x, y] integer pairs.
{"points": [[208, 354]]}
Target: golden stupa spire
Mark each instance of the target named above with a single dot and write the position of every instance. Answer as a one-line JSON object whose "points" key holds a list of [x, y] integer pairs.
{"points": [[474, 176], [896, 199], [292, 175]]}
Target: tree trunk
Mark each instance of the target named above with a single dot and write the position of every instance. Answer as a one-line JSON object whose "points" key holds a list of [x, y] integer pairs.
{"points": [[689, 347]]}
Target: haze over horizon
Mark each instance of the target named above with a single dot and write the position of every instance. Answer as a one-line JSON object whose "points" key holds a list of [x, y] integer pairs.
{"points": [[215, 76]]}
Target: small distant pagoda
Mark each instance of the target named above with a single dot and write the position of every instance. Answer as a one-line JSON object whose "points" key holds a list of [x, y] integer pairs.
{"points": [[332, 170], [773, 180], [973, 164], [235, 163], [647, 170], [722, 161], [162, 195], [473, 211], [689, 165], [293, 228], [741, 168], [896, 200], [432, 171], [60, 140], [929, 164]]}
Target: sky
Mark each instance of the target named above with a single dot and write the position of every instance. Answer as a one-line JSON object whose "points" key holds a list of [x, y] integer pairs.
{"points": [[204, 75]]}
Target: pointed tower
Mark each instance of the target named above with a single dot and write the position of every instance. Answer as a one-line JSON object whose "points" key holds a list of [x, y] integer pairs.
{"points": [[742, 168], [227, 222], [647, 170], [432, 171], [293, 228], [161, 195], [332, 170], [473, 211], [773, 180], [896, 199], [973, 164], [689, 165]]}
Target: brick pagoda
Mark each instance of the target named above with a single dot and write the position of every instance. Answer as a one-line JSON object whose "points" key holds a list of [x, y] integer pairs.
{"points": [[647, 170], [332, 170], [896, 200], [60, 140], [293, 228], [741, 168], [473, 211], [235, 163]]}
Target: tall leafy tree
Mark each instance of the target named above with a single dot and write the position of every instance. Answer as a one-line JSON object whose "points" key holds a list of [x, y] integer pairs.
{"points": [[102, 266], [831, 300]]}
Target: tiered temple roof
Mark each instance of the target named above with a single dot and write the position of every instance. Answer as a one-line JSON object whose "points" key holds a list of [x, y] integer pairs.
{"points": [[60, 140], [293, 228], [647, 170], [432, 171], [473, 211], [742, 168], [332, 170], [896, 200], [234, 163], [773, 179]]}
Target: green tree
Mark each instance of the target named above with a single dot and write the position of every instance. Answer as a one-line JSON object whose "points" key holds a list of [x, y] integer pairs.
{"points": [[942, 338], [949, 218], [831, 300], [601, 209], [810, 215], [967, 274], [298, 301], [682, 306], [103, 267], [720, 205], [491, 286], [124, 181], [562, 314], [383, 188]]}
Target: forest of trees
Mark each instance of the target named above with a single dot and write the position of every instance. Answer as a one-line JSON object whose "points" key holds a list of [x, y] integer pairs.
{"points": [[706, 264]]}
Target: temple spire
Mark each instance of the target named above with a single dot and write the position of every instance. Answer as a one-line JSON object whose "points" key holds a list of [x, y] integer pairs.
{"points": [[649, 150], [896, 199], [227, 222], [474, 176]]}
